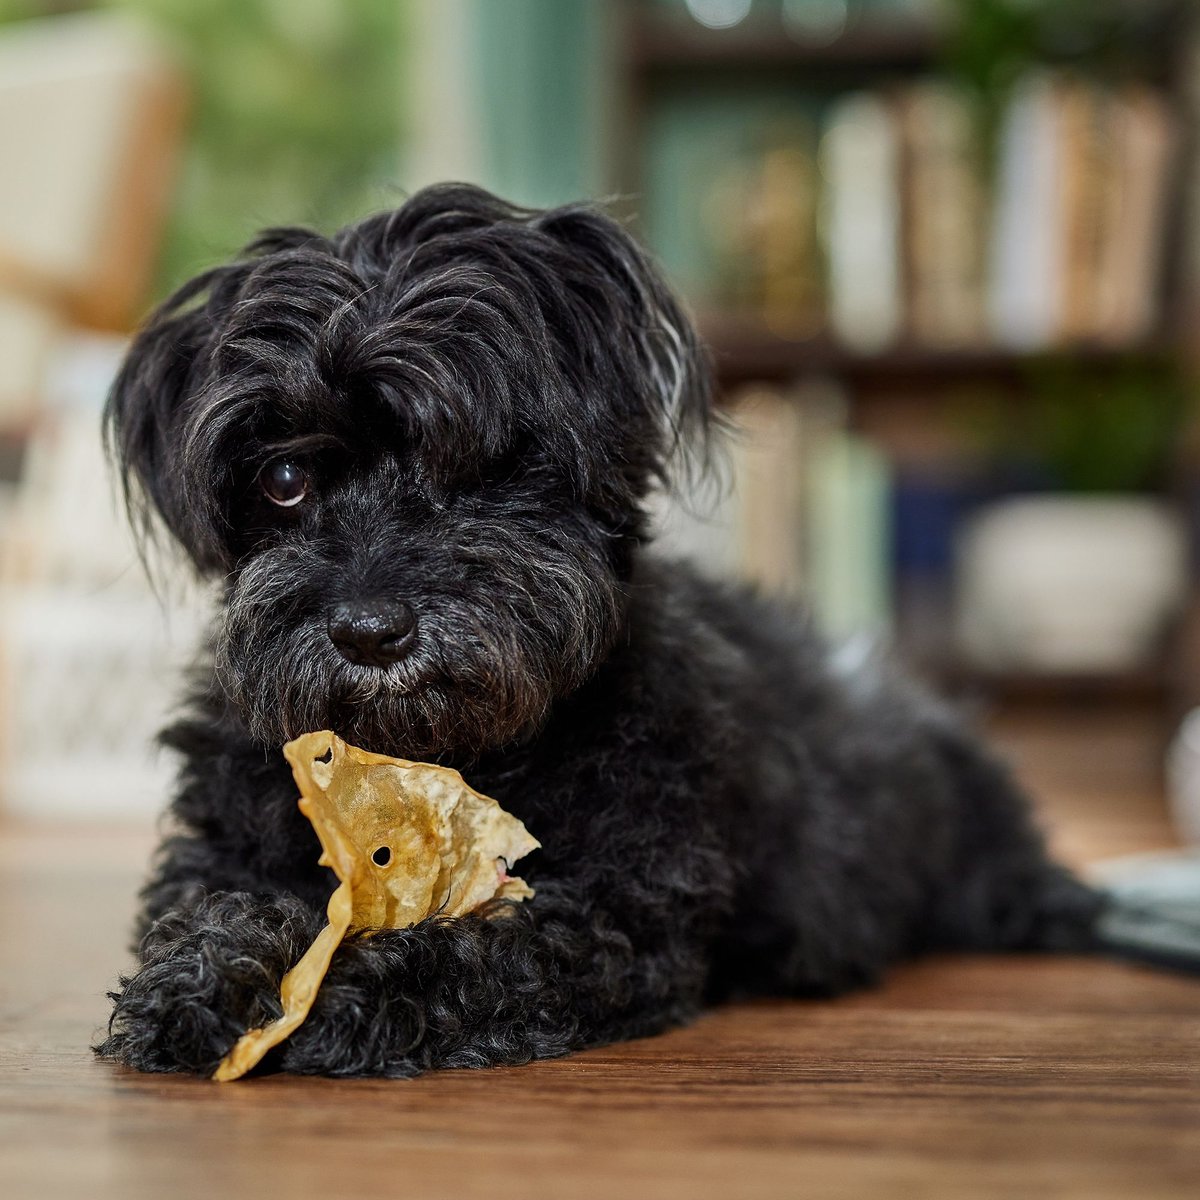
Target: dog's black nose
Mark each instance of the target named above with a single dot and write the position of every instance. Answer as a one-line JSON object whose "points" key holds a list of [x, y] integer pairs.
{"points": [[375, 632]]}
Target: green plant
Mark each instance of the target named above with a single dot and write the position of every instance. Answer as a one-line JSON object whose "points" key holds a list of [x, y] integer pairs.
{"points": [[296, 114], [991, 44], [1102, 431], [1081, 428]]}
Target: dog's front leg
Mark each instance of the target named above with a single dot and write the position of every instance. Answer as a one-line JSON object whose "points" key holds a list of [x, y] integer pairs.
{"points": [[208, 972], [536, 980], [556, 974]]}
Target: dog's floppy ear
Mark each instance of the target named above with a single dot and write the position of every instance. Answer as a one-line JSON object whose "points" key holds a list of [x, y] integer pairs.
{"points": [[656, 361], [148, 407]]}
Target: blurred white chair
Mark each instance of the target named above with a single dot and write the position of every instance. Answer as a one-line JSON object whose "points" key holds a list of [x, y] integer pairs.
{"points": [[91, 115]]}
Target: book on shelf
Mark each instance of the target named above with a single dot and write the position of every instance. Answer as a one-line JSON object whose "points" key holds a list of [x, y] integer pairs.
{"points": [[730, 202], [1085, 172], [771, 476], [1025, 284], [943, 216], [1145, 139], [848, 533], [860, 156], [783, 239], [804, 513]]}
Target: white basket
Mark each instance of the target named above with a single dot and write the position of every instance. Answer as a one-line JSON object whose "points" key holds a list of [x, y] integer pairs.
{"points": [[87, 683], [90, 656]]}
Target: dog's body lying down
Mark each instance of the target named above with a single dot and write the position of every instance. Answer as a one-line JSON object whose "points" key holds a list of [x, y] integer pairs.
{"points": [[419, 452]]}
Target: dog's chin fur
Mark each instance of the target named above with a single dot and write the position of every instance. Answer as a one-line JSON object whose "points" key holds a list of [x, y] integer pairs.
{"points": [[481, 398]]}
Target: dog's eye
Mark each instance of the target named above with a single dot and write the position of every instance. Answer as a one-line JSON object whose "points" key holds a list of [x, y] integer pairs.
{"points": [[283, 483]]}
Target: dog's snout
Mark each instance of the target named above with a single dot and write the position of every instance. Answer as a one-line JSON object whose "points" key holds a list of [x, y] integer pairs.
{"points": [[373, 632]]}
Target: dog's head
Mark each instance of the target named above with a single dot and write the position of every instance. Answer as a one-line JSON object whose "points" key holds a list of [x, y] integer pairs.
{"points": [[418, 452]]}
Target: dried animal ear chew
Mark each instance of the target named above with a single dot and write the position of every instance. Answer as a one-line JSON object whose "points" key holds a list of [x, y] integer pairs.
{"points": [[406, 839]]}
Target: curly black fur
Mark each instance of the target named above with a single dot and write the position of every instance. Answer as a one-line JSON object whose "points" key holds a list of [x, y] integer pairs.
{"points": [[482, 397]]}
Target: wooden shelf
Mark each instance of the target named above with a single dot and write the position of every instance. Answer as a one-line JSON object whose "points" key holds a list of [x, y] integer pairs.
{"points": [[1150, 684], [746, 351], [663, 44], [1153, 682]]}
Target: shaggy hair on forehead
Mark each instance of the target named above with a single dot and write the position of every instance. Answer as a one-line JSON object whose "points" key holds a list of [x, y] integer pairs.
{"points": [[417, 454], [472, 330]]}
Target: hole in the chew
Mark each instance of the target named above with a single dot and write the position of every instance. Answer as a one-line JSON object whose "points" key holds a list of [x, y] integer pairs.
{"points": [[382, 856], [326, 757]]}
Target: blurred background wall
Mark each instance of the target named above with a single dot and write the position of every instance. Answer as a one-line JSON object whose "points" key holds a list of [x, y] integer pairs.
{"points": [[946, 253]]}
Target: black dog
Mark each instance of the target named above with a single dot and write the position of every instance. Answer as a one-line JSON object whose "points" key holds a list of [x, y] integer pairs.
{"points": [[418, 453]]}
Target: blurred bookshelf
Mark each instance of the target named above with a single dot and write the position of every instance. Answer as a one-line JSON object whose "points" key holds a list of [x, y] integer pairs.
{"points": [[725, 122], [744, 350]]}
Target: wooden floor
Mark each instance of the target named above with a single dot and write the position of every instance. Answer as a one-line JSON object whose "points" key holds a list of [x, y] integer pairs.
{"points": [[961, 1078]]}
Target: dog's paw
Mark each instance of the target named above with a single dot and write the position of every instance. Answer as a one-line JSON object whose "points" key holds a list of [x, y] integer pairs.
{"points": [[207, 974], [465, 992]]}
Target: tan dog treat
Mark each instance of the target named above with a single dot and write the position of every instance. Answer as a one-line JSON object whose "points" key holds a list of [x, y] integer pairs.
{"points": [[407, 840]]}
